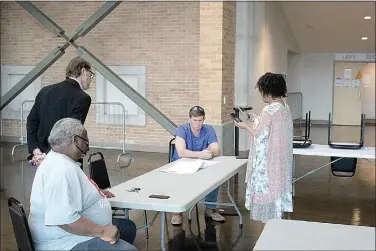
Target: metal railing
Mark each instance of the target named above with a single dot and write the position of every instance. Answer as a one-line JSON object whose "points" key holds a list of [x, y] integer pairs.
{"points": [[26, 106], [295, 102], [105, 124]]}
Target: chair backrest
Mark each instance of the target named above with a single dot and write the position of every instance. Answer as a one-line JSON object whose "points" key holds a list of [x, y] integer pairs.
{"points": [[171, 150], [98, 171], [362, 130], [343, 167], [20, 225]]}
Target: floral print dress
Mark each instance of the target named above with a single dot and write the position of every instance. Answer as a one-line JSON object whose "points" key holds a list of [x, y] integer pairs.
{"points": [[269, 170]]}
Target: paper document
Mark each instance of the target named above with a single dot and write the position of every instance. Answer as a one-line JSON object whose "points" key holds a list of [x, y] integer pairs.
{"points": [[189, 166], [338, 82]]}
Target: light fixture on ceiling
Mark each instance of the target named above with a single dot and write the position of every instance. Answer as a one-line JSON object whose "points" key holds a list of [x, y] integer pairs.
{"points": [[367, 17], [364, 38]]}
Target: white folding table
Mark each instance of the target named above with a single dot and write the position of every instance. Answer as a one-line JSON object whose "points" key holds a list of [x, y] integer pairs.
{"points": [[185, 190], [303, 235], [366, 153]]}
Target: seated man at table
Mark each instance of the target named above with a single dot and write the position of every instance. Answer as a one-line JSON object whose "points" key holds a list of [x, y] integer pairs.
{"points": [[67, 209], [196, 140]]}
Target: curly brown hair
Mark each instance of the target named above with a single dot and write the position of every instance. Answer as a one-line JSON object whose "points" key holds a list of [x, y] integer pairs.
{"points": [[272, 84], [74, 67]]}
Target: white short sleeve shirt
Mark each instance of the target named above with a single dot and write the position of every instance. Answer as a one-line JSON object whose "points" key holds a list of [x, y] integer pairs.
{"points": [[61, 194]]}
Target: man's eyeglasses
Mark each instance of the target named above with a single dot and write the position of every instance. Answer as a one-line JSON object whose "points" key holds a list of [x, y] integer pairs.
{"points": [[86, 141], [91, 73]]}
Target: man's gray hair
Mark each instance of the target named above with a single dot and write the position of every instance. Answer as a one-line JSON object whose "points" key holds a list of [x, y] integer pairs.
{"points": [[63, 131]]}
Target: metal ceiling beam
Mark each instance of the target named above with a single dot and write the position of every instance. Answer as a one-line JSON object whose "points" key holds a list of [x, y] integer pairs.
{"points": [[88, 25], [131, 93]]}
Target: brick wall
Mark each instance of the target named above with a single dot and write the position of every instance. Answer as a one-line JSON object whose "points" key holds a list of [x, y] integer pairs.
{"points": [[164, 36], [217, 59], [211, 60], [228, 59]]}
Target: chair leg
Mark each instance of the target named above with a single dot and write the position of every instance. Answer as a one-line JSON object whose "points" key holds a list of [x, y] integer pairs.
{"points": [[146, 222], [126, 213]]}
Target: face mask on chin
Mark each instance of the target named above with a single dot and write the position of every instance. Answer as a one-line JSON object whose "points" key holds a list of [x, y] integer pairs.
{"points": [[84, 152]]}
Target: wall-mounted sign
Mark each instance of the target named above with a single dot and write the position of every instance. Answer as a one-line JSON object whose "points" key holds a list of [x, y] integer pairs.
{"points": [[355, 83], [347, 83], [338, 82], [359, 57], [347, 74]]}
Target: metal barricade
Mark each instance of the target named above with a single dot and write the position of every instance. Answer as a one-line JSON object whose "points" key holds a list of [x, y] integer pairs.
{"points": [[295, 102], [105, 124], [26, 106]]}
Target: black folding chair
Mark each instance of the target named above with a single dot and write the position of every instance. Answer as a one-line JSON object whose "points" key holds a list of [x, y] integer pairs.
{"points": [[99, 174], [347, 145], [344, 167], [20, 225], [171, 150], [304, 141]]}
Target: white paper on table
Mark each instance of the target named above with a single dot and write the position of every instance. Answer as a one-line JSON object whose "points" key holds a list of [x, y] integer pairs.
{"points": [[208, 163], [189, 166]]}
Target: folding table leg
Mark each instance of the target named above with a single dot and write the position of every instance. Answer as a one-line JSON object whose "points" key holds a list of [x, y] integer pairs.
{"points": [[234, 204], [163, 219]]}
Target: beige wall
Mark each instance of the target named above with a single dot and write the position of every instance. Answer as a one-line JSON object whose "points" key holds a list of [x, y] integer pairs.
{"points": [[187, 47], [273, 40]]}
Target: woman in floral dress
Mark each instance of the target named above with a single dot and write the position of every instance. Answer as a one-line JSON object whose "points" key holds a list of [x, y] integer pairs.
{"points": [[269, 170]]}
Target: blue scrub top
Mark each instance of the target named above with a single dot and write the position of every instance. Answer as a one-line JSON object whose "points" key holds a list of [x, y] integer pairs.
{"points": [[206, 137]]}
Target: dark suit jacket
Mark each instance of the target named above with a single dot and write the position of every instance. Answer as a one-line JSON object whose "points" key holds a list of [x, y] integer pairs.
{"points": [[54, 102]]}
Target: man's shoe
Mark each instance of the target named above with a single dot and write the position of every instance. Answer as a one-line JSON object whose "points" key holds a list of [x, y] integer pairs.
{"points": [[177, 219], [214, 215]]}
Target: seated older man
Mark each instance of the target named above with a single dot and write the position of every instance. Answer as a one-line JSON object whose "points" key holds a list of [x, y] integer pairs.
{"points": [[67, 209]]}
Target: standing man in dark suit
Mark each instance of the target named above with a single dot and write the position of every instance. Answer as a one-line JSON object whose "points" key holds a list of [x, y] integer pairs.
{"points": [[57, 101]]}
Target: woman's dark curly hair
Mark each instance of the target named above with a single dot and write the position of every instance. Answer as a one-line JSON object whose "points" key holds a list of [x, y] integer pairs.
{"points": [[272, 84]]}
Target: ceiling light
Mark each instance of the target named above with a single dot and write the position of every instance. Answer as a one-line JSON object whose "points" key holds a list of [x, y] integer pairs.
{"points": [[364, 38], [367, 17]]}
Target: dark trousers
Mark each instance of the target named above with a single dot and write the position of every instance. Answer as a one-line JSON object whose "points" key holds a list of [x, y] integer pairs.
{"points": [[127, 230]]}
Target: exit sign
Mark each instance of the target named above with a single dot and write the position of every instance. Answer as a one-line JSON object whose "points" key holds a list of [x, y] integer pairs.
{"points": [[358, 57]]}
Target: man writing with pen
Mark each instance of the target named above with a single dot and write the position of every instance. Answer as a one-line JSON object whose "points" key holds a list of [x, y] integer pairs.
{"points": [[197, 140]]}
